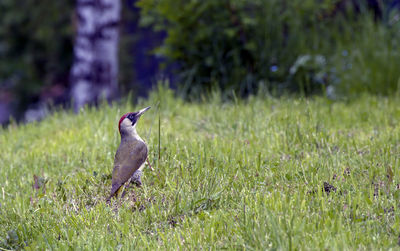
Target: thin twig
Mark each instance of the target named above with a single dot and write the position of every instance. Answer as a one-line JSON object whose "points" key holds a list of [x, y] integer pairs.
{"points": [[148, 163]]}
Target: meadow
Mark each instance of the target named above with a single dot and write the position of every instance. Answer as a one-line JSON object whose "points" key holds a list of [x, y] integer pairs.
{"points": [[264, 173]]}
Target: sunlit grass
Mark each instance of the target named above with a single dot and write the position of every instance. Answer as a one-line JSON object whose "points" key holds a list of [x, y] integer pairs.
{"points": [[258, 174]]}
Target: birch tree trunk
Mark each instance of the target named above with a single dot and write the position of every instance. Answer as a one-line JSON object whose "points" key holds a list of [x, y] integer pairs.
{"points": [[94, 74]]}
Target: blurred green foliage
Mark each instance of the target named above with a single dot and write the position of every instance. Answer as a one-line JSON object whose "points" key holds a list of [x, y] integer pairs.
{"points": [[239, 46], [35, 46], [368, 60], [234, 46]]}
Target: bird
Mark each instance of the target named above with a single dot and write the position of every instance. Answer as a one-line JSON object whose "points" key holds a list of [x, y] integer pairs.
{"points": [[131, 153]]}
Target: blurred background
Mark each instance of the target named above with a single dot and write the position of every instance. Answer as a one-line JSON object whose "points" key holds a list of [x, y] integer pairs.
{"points": [[55, 53]]}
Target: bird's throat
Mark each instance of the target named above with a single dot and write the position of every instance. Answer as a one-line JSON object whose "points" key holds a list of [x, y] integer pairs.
{"points": [[130, 134]]}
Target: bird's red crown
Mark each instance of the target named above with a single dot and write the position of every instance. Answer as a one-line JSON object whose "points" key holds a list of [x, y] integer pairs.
{"points": [[121, 119]]}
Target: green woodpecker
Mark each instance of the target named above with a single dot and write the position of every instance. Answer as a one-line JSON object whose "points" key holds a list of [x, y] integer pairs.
{"points": [[131, 154]]}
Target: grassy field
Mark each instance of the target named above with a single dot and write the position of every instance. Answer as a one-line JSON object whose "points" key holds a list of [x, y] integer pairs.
{"points": [[280, 174]]}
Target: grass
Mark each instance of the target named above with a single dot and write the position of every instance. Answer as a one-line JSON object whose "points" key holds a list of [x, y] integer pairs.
{"points": [[279, 174]]}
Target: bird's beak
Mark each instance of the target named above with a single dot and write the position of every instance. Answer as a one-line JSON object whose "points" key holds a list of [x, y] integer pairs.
{"points": [[143, 110]]}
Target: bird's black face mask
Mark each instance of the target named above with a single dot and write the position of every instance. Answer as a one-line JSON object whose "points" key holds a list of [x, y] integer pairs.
{"points": [[133, 117]]}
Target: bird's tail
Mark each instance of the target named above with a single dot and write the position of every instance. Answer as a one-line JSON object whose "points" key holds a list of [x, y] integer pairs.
{"points": [[116, 190]]}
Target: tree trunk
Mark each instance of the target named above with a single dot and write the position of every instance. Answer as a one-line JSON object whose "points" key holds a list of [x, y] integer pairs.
{"points": [[94, 74]]}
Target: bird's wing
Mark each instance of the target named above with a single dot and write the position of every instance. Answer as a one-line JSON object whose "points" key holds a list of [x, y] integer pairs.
{"points": [[127, 161]]}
